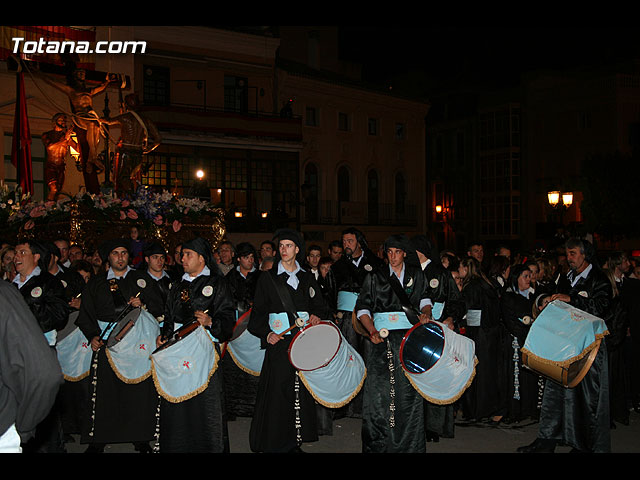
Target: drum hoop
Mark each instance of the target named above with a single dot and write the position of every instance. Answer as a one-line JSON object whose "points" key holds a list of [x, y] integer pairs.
{"points": [[173, 340], [328, 361], [407, 335], [238, 323]]}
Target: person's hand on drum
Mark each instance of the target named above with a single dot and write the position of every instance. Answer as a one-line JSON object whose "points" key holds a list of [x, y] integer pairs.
{"points": [[135, 302], [160, 340], [314, 319], [96, 343], [449, 323], [424, 318], [563, 297], [203, 318], [75, 303]]}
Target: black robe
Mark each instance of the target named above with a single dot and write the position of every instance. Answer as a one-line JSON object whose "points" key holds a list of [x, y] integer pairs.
{"points": [[273, 427], [522, 383], [123, 412], [199, 424], [240, 387], [579, 416], [45, 297], [408, 434]]}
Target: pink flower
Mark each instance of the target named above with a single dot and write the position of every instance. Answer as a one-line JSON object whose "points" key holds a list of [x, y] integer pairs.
{"points": [[158, 220], [176, 226], [125, 203], [132, 214], [122, 215], [29, 225], [37, 211]]}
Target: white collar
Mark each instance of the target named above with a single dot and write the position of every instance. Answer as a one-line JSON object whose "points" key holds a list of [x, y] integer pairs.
{"points": [[111, 274], [189, 278], [34, 273]]}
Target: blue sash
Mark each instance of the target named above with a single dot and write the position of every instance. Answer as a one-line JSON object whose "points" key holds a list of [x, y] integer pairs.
{"points": [[391, 321], [474, 317], [347, 301], [437, 309], [279, 322]]}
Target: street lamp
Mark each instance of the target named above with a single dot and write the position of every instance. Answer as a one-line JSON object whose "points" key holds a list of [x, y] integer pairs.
{"points": [[555, 196]]}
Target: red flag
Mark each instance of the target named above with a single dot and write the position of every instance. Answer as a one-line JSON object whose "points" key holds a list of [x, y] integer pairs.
{"points": [[21, 147]]}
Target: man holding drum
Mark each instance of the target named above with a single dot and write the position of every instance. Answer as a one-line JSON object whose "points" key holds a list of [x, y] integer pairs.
{"points": [[119, 411], [579, 416], [285, 412], [393, 410], [196, 421]]}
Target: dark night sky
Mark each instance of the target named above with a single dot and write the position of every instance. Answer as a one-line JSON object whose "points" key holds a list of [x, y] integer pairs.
{"points": [[489, 55]]}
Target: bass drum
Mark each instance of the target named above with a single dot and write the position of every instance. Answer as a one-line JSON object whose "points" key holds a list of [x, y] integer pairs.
{"points": [[439, 363], [330, 368]]}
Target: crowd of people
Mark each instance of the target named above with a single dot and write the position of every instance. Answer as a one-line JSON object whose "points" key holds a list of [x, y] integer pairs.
{"points": [[491, 297]]}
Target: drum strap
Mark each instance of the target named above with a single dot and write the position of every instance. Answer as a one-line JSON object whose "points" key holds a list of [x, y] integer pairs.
{"points": [[285, 298], [408, 309]]}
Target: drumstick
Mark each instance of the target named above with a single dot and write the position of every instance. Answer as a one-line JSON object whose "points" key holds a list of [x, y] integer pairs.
{"points": [[299, 323]]}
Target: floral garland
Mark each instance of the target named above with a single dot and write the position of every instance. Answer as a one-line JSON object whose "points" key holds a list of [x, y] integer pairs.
{"points": [[19, 212]]}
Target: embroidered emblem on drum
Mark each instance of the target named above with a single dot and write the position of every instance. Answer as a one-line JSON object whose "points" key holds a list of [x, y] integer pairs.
{"points": [[36, 292], [142, 346], [85, 345], [186, 364], [434, 283], [577, 317], [141, 283], [207, 291]]}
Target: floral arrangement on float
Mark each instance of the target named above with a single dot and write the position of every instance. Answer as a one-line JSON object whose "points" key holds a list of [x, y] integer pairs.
{"points": [[93, 217]]}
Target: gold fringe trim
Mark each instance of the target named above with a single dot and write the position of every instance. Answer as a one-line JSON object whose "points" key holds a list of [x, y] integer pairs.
{"points": [[240, 366], [130, 381], [336, 404], [197, 391], [78, 378], [567, 363], [448, 401]]}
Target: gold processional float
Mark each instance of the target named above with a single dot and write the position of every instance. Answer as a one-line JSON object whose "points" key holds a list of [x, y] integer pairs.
{"points": [[88, 220]]}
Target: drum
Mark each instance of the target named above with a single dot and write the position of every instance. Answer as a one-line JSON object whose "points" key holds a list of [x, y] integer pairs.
{"points": [[562, 343], [245, 348], [130, 344], [183, 369], [73, 351], [329, 367], [439, 363]]}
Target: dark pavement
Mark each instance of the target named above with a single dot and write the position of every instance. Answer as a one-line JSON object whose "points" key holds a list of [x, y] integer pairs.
{"points": [[471, 439]]}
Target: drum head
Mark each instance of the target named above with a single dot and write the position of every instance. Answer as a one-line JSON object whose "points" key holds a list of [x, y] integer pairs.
{"points": [[131, 316], [315, 346], [422, 347], [70, 326]]}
